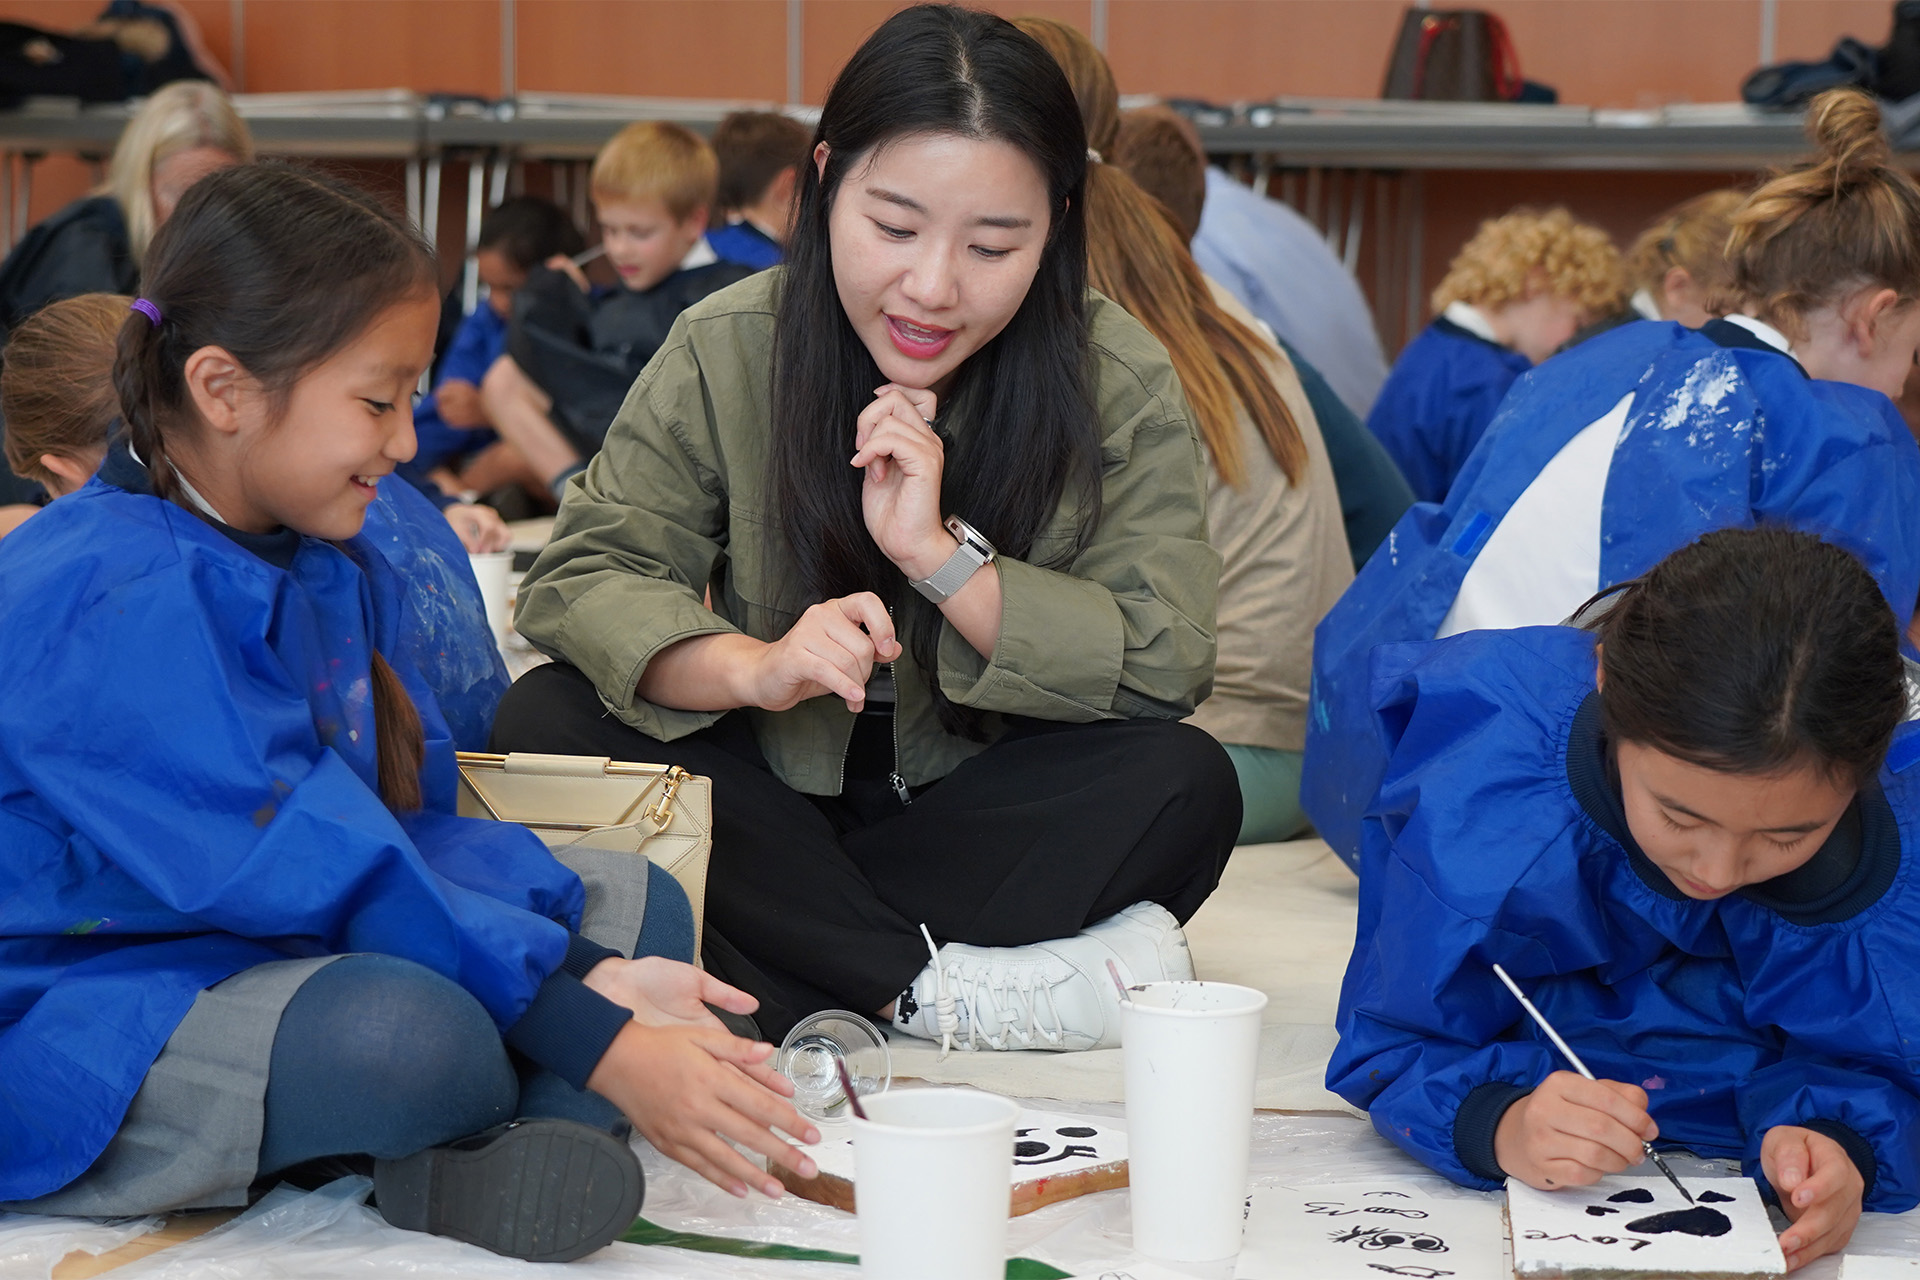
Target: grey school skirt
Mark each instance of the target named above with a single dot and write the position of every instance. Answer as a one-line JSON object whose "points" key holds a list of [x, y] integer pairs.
{"points": [[191, 1136]]}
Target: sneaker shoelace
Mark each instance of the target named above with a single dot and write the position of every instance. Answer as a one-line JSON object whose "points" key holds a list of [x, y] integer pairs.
{"points": [[1017, 1006]]}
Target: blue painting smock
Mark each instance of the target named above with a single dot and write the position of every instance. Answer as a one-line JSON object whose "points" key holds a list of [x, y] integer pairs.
{"points": [[1437, 401], [444, 630], [188, 788], [1601, 463], [1498, 838]]}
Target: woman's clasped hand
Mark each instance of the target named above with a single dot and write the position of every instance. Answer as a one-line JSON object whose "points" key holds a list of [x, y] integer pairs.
{"points": [[904, 459]]}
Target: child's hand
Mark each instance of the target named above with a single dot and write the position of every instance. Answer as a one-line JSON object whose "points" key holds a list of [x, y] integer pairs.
{"points": [[561, 262], [688, 1089], [459, 403], [478, 528], [664, 992], [1819, 1190], [1572, 1131]]}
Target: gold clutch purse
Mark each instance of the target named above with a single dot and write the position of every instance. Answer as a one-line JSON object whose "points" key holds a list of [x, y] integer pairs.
{"points": [[592, 812]]}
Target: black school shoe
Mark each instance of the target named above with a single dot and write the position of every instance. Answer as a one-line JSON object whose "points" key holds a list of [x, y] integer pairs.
{"points": [[541, 1190]]}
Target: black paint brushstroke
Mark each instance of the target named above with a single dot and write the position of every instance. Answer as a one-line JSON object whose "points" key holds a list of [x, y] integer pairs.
{"points": [[1713, 1197], [1637, 1195], [1697, 1221], [1599, 1211]]}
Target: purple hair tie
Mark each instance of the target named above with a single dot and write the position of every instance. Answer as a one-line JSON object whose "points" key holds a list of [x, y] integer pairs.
{"points": [[147, 309]]}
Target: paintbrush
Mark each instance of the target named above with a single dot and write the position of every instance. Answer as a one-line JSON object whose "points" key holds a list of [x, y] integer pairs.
{"points": [[585, 256], [853, 1099], [1581, 1067]]}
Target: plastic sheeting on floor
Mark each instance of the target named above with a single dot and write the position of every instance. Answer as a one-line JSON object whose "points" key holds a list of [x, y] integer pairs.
{"points": [[329, 1234]]}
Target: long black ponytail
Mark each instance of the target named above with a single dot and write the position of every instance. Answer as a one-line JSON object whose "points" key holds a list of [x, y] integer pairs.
{"points": [[1022, 430]]}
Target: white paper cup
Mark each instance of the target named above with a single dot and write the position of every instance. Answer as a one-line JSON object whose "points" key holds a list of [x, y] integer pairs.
{"points": [[1189, 1051], [493, 571], [933, 1183]]}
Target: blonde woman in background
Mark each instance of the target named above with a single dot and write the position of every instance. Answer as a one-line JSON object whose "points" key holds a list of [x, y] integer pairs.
{"points": [[178, 136], [1272, 508], [181, 134]]}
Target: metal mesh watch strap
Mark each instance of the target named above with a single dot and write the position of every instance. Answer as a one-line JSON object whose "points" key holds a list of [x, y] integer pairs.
{"points": [[967, 558]]}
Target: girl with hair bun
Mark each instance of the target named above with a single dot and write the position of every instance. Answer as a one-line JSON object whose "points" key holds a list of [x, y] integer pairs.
{"points": [[904, 544], [1685, 828], [244, 931], [1639, 440]]}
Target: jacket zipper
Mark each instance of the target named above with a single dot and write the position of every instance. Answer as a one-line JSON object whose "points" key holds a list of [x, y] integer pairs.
{"points": [[899, 783]]}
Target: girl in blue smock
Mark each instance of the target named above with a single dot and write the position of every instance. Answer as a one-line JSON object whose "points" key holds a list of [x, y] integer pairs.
{"points": [[243, 935], [1639, 440], [1683, 834]]}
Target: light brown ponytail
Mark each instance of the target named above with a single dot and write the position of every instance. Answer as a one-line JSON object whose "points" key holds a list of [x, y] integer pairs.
{"points": [[56, 390], [1692, 236], [1848, 218], [1137, 256]]}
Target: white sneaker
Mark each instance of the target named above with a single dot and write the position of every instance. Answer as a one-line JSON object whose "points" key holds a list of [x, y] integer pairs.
{"points": [[1049, 995]]}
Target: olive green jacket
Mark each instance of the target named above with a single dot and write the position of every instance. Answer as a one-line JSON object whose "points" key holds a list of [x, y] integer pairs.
{"points": [[676, 504]]}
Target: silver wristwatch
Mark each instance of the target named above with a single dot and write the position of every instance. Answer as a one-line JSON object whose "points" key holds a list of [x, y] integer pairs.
{"points": [[974, 550]]}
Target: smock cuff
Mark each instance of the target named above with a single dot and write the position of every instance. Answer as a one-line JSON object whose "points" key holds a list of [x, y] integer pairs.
{"points": [[1475, 1123], [568, 1028], [583, 954], [1858, 1149]]}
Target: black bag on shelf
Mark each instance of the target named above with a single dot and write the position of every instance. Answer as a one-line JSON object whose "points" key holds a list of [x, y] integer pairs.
{"points": [[1791, 84]]}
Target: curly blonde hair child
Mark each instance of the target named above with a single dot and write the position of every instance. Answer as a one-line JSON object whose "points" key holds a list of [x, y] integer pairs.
{"points": [[1531, 251]]}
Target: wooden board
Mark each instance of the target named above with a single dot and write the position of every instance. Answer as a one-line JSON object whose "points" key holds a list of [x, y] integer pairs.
{"points": [[80, 1265], [1055, 1157], [1036, 1193]]}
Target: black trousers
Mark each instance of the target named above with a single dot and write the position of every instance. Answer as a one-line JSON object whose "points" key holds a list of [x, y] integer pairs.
{"points": [[815, 902]]}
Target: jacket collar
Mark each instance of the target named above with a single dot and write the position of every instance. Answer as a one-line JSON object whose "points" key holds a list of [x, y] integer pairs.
{"points": [[1752, 335], [1470, 320]]}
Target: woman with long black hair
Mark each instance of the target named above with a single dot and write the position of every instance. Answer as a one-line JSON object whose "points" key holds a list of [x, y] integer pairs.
{"points": [[905, 545]]}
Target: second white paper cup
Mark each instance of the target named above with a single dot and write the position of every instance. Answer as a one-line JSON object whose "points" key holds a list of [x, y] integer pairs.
{"points": [[933, 1184], [493, 571], [1189, 1051]]}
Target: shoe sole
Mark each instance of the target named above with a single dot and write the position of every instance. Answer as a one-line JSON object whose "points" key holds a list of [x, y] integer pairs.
{"points": [[542, 1191]]}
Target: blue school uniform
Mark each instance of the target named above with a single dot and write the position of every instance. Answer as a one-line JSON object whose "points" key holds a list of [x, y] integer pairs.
{"points": [[188, 788], [444, 631], [745, 245], [1670, 433], [477, 343], [1498, 838], [1437, 401]]}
